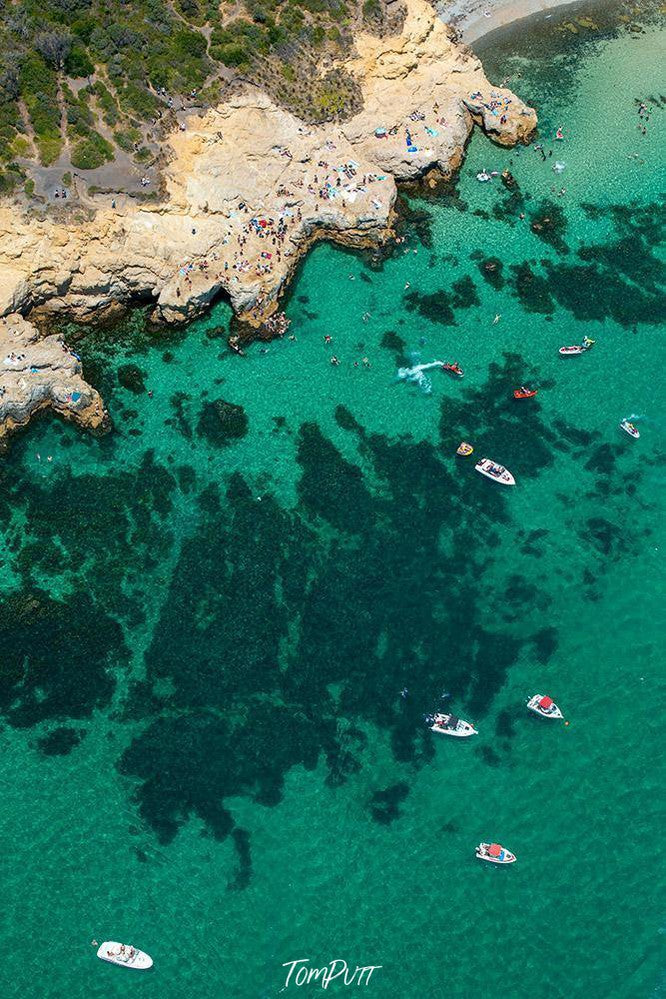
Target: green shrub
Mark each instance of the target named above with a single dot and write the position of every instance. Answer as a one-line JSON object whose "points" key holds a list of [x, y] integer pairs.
{"points": [[37, 77], [77, 62], [45, 116], [9, 181], [49, 150], [91, 152], [138, 100], [20, 146], [190, 43], [232, 54], [190, 10], [29, 187], [83, 27]]}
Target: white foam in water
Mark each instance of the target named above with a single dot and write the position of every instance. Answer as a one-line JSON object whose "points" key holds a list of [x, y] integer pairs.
{"points": [[416, 374]]}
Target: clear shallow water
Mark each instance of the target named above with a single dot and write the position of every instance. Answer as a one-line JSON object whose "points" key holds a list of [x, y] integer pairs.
{"points": [[204, 748]]}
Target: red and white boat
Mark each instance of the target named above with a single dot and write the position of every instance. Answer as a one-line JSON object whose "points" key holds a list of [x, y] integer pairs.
{"points": [[524, 393], [495, 854], [630, 429], [544, 706], [454, 368], [578, 348], [125, 955], [498, 473], [450, 725]]}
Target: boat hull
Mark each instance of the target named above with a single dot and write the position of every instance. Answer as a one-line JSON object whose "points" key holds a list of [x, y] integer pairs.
{"points": [[110, 951], [465, 734], [631, 432], [506, 858], [496, 860], [533, 705], [483, 467]]}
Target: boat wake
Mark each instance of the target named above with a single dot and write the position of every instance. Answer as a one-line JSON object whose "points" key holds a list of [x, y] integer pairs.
{"points": [[417, 376]]}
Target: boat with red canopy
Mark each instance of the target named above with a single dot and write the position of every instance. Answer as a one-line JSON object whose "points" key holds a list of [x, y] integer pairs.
{"points": [[454, 368], [544, 706], [495, 854], [524, 393]]}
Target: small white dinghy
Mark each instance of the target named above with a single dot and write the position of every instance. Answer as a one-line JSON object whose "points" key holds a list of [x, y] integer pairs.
{"points": [[630, 429], [483, 177], [498, 473], [450, 725], [125, 955], [495, 854], [577, 348], [544, 706]]}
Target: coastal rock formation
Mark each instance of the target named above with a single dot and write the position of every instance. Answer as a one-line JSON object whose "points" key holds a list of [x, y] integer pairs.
{"points": [[249, 187], [39, 372], [423, 86]]}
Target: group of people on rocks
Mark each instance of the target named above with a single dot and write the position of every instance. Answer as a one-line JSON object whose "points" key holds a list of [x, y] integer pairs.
{"points": [[280, 229]]}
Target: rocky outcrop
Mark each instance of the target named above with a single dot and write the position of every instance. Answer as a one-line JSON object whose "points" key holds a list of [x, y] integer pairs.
{"points": [[249, 187], [424, 86], [39, 372]]}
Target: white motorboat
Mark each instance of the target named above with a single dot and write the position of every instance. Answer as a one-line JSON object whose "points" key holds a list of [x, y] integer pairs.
{"points": [[483, 177], [544, 706], [495, 854], [450, 725], [630, 429], [498, 473], [125, 955], [578, 348]]}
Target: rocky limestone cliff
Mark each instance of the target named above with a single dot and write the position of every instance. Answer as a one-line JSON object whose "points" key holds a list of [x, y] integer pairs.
{"points": [[39, 372], [249, 187]]}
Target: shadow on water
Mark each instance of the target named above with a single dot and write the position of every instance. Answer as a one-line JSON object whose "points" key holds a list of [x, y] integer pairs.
{"points": [[270, 610], [283, 632]]}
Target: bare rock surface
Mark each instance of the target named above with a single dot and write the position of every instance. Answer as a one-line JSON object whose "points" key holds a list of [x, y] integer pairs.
{"points": [[250, 187], [39, 372]]}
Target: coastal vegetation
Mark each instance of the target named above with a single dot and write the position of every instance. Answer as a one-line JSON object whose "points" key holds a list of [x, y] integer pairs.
{"points": [[89, 78]]}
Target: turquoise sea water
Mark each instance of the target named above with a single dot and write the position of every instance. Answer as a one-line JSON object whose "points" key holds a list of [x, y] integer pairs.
{"points": [[208, 615]]}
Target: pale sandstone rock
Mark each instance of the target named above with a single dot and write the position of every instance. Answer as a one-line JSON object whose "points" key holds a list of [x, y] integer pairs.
{"points": [[39, 372], [250, 159], [424, 71]]}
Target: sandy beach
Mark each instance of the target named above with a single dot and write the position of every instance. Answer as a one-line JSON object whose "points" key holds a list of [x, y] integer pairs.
{"points": [[475, 18]]}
